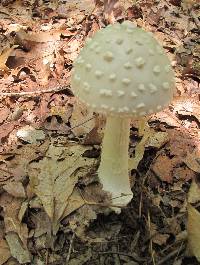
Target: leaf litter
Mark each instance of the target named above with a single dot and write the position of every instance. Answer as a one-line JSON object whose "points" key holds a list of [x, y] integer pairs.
{"points": [[52, 207]]}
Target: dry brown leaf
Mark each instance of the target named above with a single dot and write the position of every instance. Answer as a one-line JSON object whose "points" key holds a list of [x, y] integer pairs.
{"points": [[150, 139], [4, 251], [4, 113], [163, 167], [81, 259], [81, 121], [140, 148], [188, 107], [193, 229], [192, 160], [4, 57], [22, 36], [54, 177], [157, 140], [42, 224], [11, 207], [5, 130], [81, 220], [194, 193], [18, 251], [72, 8], [160, 239], [75, 202], [15, 189]]}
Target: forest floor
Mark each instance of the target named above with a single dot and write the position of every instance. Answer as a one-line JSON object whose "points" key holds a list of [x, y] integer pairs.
{"points": [[52, 210]]}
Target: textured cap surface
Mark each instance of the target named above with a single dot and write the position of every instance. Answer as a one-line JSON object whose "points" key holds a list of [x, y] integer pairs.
{"points": [[123, 70]]}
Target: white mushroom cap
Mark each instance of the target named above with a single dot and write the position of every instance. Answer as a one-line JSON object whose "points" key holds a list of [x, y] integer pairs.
{"points": [[123, 70]]}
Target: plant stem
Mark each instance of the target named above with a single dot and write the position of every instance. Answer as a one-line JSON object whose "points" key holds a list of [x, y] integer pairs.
{"points": [[113, 169]]}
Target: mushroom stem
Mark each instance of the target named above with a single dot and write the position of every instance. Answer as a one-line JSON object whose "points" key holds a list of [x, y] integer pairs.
{"points": [[113, 169]]}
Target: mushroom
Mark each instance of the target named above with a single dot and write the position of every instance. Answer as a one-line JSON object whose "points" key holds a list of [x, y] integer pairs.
{"points": [[124, 73]]}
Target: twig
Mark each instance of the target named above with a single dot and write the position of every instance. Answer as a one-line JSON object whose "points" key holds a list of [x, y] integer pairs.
{"points": [[151, 243], [170, 255], [84, 122], [134, 257], [33, 93], [70, 249]]}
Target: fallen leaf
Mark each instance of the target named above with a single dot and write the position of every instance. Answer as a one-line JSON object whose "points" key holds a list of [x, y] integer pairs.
{"points": [[160, 239], [163, 167], [4, 251], [42, 224], [75, 202], [194, 193], [17, 250], [192, 160], [82, 258], [30, 134], [4, 57], [22, 210], [11, 207], [157, 140], [188, 107], [82, 120], [81, 220], [4, 113], [5, 130], [140, 148], [193, 229], [54, 177], [15, 189]]}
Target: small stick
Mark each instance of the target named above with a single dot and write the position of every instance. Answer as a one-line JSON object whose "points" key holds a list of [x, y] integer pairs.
{"points": [[134, 257], [32, 93], [170, 255], [70, 249]]}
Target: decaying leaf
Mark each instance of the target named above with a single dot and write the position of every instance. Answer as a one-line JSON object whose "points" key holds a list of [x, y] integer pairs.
{"points": [[193, 229], [4, 251], [54, 177], [17, 250]]}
